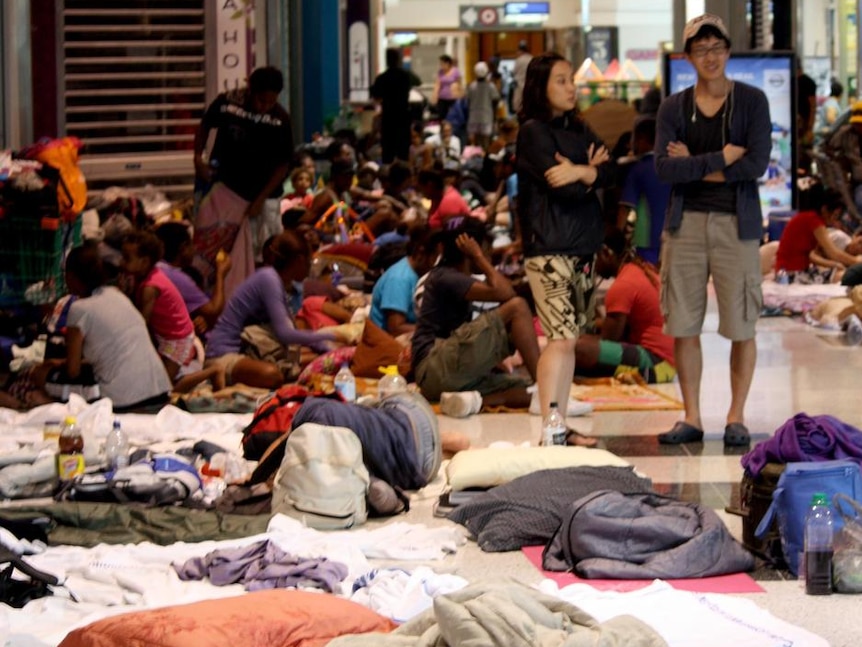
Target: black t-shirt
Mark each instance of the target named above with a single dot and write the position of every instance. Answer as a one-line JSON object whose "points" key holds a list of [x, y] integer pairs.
{"points": [[707, 135], [445, 307], [248, 146]]}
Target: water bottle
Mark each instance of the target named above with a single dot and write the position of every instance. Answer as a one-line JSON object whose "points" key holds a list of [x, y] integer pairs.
{"points": [[116, 447], [853, 333], [335, 276], [782, 277], [818, 547], [554, 427], [345, 383], [391, 382]]}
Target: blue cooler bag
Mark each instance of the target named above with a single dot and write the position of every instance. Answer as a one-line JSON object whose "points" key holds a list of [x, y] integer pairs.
{"points": [[792, 499]]}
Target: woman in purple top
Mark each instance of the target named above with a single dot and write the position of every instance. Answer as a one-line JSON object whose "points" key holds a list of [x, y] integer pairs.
{"points": [[447, 87], [263, 299]]}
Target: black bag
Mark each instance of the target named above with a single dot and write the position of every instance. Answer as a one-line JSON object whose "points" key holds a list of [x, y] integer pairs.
{"points": [[16, 592], [755, 497]]}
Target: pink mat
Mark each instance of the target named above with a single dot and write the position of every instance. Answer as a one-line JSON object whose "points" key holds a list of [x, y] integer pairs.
{"points": [[735, 583]]}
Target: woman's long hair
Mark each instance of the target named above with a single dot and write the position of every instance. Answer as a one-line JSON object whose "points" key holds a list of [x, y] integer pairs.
{"points": [[534, 102]]}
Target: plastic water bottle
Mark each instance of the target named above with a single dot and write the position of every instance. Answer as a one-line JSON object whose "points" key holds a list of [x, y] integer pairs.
{"points": [[818, 547], [554, 427], [336, 276], [345, 383], [853, 334], [782, 277], [391, 382], [117, 447]]}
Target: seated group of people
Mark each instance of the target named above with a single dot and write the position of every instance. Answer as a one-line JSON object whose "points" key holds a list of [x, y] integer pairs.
{"points": [[812, 248]]}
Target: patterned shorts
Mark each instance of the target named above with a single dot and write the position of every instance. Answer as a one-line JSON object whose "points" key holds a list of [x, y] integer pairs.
{"points": [[563, 288], [179, 351]]}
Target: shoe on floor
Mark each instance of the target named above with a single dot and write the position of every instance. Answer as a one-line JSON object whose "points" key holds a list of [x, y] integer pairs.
{"points": [[736, 435], [460, 404], [575, 408], [681, 432]]}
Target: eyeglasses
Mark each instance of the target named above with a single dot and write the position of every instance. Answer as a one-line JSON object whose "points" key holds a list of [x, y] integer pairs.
{"points": [[715, 50]]}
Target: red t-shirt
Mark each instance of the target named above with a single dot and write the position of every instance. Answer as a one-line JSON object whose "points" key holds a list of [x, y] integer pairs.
{"points": [[798, 241], [633, 295], [451, 204]]}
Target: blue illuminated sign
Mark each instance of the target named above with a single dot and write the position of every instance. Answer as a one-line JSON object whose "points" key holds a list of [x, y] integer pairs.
{"points": [[527, 8]]}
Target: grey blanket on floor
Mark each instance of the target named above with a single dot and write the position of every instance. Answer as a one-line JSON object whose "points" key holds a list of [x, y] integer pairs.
{"points": [[611, 535], [528, 510]]}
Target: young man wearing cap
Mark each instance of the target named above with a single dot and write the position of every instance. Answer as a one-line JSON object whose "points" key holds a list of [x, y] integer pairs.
{"points": [[712, 144], [845, 147], [482, 98]]}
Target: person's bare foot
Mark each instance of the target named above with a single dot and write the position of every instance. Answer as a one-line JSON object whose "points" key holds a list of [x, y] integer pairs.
{"points": [[452, 442], [579, 440]]}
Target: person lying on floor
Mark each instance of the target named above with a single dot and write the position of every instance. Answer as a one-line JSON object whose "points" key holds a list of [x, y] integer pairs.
{"points": [[250, 338], [631, 333], [454, 357]]}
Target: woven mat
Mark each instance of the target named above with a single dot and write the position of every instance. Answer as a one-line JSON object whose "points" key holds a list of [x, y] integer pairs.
{"points": [[610, 394]]}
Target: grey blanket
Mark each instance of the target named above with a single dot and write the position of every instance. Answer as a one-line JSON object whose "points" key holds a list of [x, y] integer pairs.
{"points": [[608, 534]]}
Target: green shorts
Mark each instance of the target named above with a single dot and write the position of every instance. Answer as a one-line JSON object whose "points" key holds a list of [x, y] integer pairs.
{"points": [[614, 354], [465, 360]]}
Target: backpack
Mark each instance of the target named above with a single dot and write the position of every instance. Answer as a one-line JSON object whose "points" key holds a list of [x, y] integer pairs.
{"points": [[322, 480], [792, 499]]}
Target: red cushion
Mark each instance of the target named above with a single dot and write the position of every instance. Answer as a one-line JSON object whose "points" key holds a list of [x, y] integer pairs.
{"points": [[275, 618]]}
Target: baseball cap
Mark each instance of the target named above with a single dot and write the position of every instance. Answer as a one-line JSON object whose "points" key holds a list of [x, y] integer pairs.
{"points": [[481, 69], [693, 26], [856, 113]]}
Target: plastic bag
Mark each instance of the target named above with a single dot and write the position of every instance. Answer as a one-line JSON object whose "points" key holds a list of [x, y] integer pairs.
{"points": [[847, 556]]}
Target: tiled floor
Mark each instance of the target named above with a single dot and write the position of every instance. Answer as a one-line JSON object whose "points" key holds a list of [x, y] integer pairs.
{"points": [[797, 371]]}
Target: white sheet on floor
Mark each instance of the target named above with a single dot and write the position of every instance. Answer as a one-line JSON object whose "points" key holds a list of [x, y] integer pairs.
{"points": [[687, 619], [111, 579]]}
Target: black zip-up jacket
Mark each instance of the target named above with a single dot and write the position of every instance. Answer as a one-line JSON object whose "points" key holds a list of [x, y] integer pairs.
{"points": [[566, 220]]}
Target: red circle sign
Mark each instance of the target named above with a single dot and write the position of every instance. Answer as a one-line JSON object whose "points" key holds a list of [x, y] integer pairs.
{"points": [[488, 16]]}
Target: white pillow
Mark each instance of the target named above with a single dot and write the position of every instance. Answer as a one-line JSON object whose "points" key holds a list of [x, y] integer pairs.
{"points": [[488, 467]]}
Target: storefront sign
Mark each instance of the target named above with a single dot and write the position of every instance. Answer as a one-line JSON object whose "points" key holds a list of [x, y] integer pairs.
{"points": [[234, 43]]}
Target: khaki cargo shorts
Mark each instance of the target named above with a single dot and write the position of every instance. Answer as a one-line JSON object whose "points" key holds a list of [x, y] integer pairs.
{"points": [[708, 244]]}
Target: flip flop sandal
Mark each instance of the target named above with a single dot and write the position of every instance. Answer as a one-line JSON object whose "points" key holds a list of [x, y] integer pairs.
{"points": [[681, 432], [736, 435], [573, 438]]}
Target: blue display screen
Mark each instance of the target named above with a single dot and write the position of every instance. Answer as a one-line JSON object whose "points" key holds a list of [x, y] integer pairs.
{"points": [[527, 8]]}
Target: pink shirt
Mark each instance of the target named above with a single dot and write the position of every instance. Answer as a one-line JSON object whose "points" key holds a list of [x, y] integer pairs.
{"points": [[170, 318], [451, 204]]}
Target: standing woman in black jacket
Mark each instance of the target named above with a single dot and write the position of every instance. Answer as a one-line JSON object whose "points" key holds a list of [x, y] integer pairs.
{"points": [[560, 163]]}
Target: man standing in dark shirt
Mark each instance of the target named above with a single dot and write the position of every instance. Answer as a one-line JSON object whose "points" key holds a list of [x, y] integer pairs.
{"points": [[712, 144], [249, 161], [392, 89]]}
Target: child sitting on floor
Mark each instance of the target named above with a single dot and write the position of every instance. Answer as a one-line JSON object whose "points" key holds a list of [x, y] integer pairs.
{"points": [[104, 329], [166, 314], [301, 179]]}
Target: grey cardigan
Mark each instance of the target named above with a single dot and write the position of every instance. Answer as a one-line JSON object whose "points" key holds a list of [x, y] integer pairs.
{"points": [[749, 126]]}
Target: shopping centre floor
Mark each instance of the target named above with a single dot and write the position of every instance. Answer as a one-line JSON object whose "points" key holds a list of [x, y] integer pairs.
{"points": [[798, 370]]}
